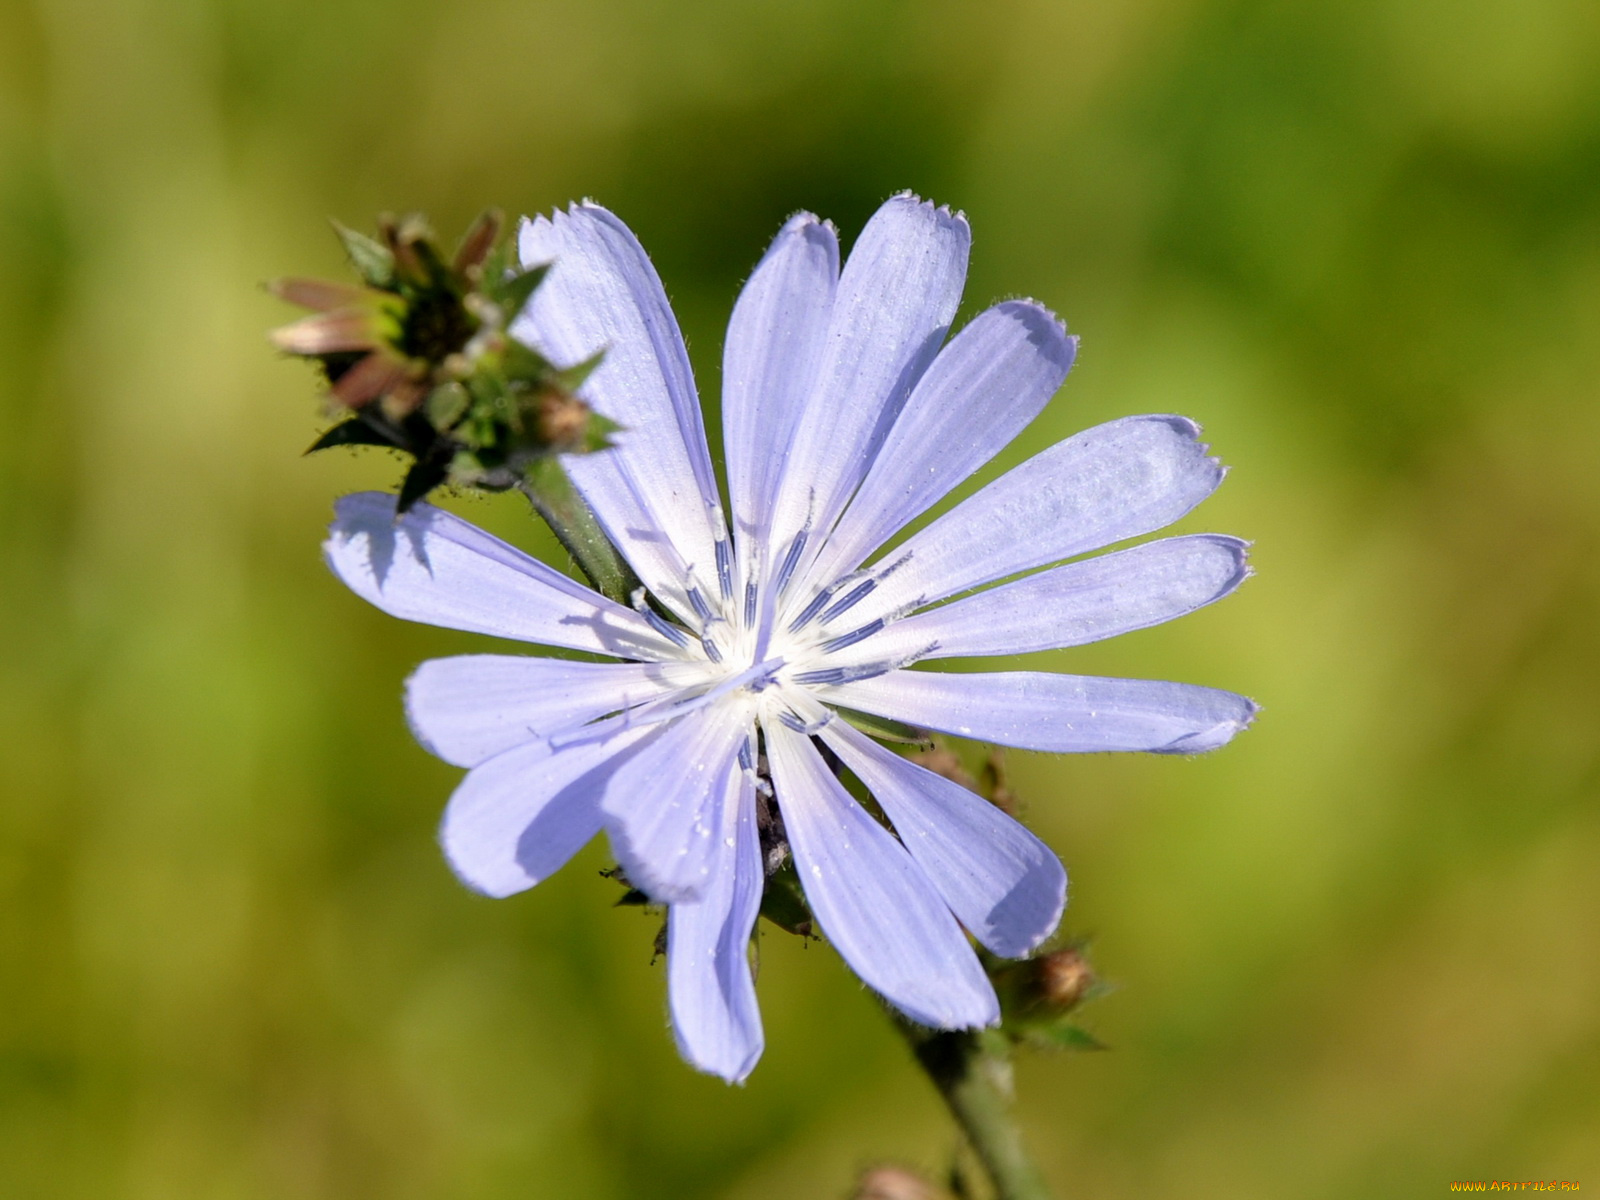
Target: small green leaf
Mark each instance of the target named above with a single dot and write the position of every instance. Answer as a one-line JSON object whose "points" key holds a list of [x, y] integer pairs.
{"points": [[371, 259], [572, 378], [1062, 1036], [354, 432], [783, 903], [524, 365], [512, 293], [446, 404], [499, 263], [597, 434]]}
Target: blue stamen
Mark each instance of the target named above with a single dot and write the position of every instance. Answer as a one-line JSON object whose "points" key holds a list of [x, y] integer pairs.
{"points": [[665, 627], [725, 568], [857, 594], [799, 726], [791, 560], [657, 622], [850, 639], [811, 609], [832, 676]]}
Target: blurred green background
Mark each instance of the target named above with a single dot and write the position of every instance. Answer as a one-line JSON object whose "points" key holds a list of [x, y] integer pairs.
{"points": [[1356, 953]]}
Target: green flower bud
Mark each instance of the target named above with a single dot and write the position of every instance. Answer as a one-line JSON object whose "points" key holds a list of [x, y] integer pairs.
{"points": [[418, 358]]}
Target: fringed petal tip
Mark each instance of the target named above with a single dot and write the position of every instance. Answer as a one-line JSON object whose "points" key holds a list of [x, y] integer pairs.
{"points": [[1038, 306], [1203, 741], [802, 219], [907, 196], [1239, 549], [1048, 331]]}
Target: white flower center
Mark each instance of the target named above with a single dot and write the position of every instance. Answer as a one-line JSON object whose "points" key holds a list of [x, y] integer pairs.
{"points": [[775, 640]]}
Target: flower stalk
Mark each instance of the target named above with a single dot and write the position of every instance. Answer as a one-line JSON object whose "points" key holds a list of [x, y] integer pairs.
{"points": [[972, 1071], [553, 497]]}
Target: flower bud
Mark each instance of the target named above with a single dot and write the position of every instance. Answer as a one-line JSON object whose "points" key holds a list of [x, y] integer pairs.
{"points": [[896, 1183], [1038, 994], [1062, 979], [563, 419], [419, 358]]}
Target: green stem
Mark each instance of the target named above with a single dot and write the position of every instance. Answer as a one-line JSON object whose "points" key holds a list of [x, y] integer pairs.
{"points": [[972, 1071], [553, 497]]}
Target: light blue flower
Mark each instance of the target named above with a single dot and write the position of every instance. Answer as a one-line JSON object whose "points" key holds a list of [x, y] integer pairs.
{"points": [[846, 414]]}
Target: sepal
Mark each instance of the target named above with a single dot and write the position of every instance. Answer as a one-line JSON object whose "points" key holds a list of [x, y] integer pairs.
{"points": [[784, 903]]}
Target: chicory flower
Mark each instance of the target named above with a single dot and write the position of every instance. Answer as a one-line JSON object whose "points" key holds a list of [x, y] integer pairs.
{"points": [[846, 415]]}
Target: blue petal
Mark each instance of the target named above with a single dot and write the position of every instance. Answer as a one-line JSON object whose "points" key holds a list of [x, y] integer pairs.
{"points": [[1062, 713], [432, 567], [518, 818], [774, 347], [899, 289], [994, 377], [873, 901], [661, 805], [1116, 481], [1074, 604], [1004, 884], [469, 708], [709, 986], [653, 491]]}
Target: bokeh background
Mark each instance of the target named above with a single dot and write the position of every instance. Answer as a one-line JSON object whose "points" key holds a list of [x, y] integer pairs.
{"points": [[1355, 953]]}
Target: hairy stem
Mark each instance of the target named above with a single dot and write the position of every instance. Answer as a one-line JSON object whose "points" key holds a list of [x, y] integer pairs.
{"points": [[553, 497], [972, 1070]]}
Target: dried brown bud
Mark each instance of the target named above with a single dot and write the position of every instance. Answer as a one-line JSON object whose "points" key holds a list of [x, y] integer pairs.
{"points": [[340, 330], [404, 397], [318, 294], [368, 379], [896, 1183], [1062, 978], [477, 243], [407, 238], [563, 419]]}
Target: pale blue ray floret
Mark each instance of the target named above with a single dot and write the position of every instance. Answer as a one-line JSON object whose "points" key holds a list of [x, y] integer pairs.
{"points": [[846, 415]]}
